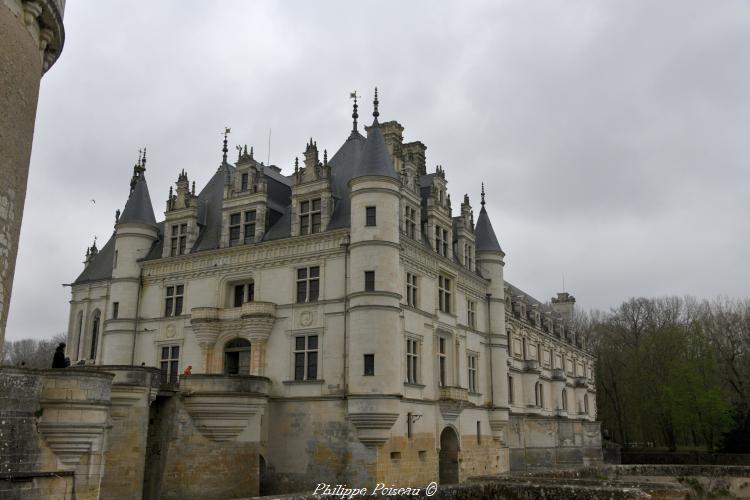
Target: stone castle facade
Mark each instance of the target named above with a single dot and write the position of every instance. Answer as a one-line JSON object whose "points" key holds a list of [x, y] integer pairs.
{"points": [[342, 325]]}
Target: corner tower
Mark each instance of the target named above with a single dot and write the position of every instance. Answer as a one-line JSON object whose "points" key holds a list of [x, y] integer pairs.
{"points": [[31, 41], [135, 233], [490, 263], [374, 290]]}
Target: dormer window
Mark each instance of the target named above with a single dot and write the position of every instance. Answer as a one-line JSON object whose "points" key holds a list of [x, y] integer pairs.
{"points": [[309, 218], [411, 222], [244, 180], [250, 226], [441, 241], [178, 243], [234, 229]]}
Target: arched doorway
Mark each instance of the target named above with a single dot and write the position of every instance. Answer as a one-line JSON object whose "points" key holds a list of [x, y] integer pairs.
{"points": [[448, 456], [237, 357], [262, 476]]}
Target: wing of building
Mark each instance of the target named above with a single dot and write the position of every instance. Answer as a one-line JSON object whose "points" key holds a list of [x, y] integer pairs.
{"points": [[382, 339]]}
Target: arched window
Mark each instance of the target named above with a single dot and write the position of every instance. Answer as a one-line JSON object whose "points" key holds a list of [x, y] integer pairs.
{"points": [[95, 333], [237, 357], [539, 393], [78, 334], [510, 389], [586, 404], [564, 399]]}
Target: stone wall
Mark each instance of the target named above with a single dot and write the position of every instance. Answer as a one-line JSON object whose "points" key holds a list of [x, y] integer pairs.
{"points": [[133, 389], [539, 442], [52, 432]]}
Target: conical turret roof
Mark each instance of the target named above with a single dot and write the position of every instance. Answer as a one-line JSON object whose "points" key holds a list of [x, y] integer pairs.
{"points": [[138, 208], [485, 235], [375, 157]]}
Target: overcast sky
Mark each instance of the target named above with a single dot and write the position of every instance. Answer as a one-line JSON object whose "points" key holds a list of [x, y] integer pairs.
{"points": [[612, 136]]}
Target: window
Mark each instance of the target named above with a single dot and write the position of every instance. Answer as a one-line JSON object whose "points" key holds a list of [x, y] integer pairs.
{"points": [[539, 393], [369, 216], [306, 357], [445, 243], [244, 293], [539, 352], [237, 357], [438, 239], [369, 281], [250, 217], [564, 399], [173, 301], [479, 432], [95, 334], [234, 228], [308, 284], [470, 255], [408, 425], [309, 217], [411, 222], [115, 264], [244, 178], [369, 364], [524, 349], [442, 362], [411, 289], [412, 360], [472, 363], [444, 294], [115, 309], [178, 243], [510, 389], [169, 363], [471, 313], [586, 404]]}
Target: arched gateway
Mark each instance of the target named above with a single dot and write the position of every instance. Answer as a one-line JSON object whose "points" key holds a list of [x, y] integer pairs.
{"points": [[448, 456]]}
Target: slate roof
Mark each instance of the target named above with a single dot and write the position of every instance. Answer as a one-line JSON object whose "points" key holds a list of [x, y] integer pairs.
{"points": [[138, 208], [100, 267], [375, 157], [484, 234]]}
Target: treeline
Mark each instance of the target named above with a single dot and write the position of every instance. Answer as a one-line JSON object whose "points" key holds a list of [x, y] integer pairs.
{"points": [[31, 353], [673, 372]]}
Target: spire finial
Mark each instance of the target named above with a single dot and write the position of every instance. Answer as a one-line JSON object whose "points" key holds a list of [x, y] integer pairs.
{"points": [[143, 161], [224, 149], [375, 102], [325, 157], [140, 155], [483, 194], [353, 95]]}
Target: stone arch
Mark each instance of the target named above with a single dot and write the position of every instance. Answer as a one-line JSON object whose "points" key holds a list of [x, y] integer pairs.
{"points": [[77, 335], [263, 476], [448, 456], [95, 334], [236, 359]]}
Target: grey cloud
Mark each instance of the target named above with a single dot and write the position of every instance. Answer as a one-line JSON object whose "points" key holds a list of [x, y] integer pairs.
{"points": [[611, 135]]}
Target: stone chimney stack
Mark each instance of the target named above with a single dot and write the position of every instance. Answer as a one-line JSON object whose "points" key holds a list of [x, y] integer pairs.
{"points": [[564, 305]]}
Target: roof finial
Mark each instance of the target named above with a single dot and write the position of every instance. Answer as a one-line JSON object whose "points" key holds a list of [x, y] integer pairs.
{"points": [[353, 95], [140, 155], [325, 157], [143, 161], [227, 130], [483, 194], [375, 112]]}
